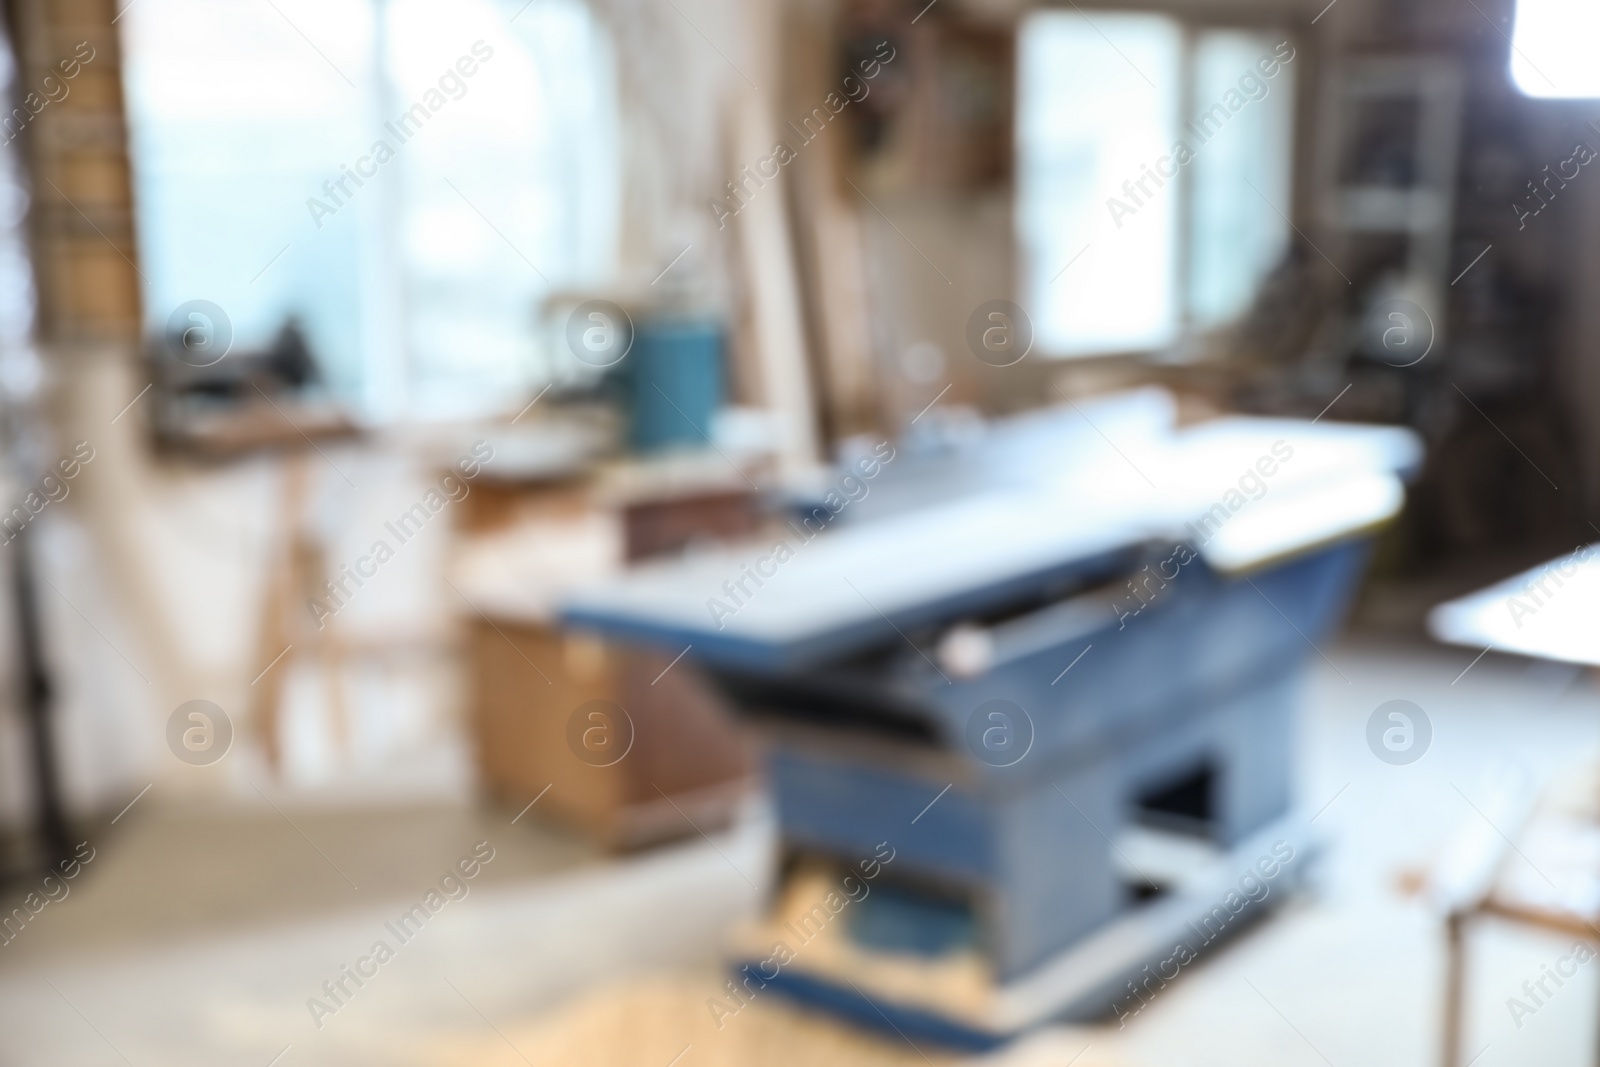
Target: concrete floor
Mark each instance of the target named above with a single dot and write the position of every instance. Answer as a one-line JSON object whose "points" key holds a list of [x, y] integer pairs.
{"points": [[196, 937]]}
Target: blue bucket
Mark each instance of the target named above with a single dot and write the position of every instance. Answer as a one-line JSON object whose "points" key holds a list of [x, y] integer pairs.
{"points": [[675, 383]]}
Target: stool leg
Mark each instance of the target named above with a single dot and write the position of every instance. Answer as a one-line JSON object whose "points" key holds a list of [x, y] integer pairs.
{"points": [[1454, 989]]}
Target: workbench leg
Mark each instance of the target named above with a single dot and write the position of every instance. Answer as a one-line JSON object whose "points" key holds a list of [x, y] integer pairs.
{"points": [[38, 705], [1454, 989], [286, 584], [1597, 1031]]}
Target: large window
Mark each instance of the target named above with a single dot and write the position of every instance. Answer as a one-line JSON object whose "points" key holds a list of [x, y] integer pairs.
{"points": [[407, 179], [1154, 167]]}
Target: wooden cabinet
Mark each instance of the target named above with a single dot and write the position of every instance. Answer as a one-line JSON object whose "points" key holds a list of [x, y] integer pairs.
{"points": [[629, 755]]}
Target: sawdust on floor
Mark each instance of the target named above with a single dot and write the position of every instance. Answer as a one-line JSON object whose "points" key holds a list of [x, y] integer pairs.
{"points": [[655, 1022], [957, 985]]}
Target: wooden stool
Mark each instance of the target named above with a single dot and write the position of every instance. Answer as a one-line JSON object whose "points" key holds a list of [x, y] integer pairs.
{"points": [[1534, 863]]}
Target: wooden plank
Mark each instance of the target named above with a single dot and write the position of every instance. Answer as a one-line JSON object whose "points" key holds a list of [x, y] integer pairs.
{"points": [[830, 238], [780, 377]]}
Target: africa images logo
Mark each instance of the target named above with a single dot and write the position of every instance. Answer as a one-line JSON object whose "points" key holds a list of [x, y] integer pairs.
{"points": [[1399, 732]]}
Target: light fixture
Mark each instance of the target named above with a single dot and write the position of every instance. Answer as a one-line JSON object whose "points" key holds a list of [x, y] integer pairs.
{"points": [[1552, 48]]}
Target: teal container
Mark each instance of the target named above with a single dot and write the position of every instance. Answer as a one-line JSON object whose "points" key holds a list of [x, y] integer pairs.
{"points": [[674, 383]]}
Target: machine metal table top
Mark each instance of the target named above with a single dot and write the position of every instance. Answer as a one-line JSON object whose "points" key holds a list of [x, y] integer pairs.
{"points": [[1095, 483]]}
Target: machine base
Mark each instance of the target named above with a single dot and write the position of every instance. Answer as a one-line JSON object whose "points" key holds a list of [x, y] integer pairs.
{"points": [[1111, 972]]}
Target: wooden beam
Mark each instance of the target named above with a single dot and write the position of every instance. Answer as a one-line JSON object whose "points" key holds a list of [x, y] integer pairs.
{"points": [[67, 116]]}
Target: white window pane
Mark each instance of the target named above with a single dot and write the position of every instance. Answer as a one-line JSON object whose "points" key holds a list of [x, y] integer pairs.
{"points": [[1236, 233], [530, 150], [252, 142], [1097, 106], [1552, 48], [235, 120]]}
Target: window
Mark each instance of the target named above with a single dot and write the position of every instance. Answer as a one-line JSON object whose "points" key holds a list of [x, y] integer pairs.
{"points": [[1154, 164], [419, 284], [1552, 48], [1236, 234]]}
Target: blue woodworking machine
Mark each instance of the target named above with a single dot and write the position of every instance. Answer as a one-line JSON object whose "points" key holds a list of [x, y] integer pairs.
{"points": [[1012, 653]]}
